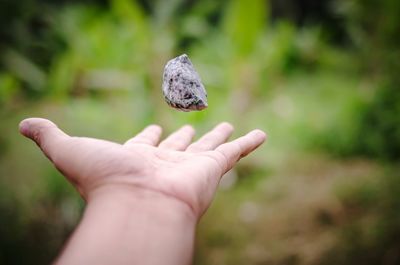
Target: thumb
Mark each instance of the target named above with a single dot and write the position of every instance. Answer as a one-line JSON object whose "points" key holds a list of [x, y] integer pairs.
{"points": [[44, 133]]}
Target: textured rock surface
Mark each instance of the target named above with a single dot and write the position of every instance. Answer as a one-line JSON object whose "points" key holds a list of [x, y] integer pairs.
{"points": [[182, 87]]}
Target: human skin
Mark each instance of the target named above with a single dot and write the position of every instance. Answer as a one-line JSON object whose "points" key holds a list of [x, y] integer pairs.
{"points": [[144, 198]]}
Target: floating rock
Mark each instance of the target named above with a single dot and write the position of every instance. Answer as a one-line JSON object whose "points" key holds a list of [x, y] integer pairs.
{"points": [[182, 87]]}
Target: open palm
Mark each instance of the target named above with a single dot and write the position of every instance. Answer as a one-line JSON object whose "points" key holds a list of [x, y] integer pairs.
{"points": [[185, 171]]}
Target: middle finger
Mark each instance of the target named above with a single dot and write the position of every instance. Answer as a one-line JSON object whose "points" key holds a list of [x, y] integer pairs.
{"points": [[219, 135], [179, 140]]}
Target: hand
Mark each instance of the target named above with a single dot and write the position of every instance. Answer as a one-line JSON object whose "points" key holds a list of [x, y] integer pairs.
{"points": [[175, 168]]}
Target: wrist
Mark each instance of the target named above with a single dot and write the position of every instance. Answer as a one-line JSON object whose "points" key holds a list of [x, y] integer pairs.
{"points": [[135, 199], [140, 227]]}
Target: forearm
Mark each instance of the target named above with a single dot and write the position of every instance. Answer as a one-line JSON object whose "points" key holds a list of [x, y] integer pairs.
{"points": [[118, 228]]}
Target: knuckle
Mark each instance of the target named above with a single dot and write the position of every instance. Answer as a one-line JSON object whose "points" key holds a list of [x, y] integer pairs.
{"points": [[36, 136], [38, 132], [219, 158]]}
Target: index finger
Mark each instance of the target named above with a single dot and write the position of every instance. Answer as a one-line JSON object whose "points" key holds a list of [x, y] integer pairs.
{"points": [[233, 151]]}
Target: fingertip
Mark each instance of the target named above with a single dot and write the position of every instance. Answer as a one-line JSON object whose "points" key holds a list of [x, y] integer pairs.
{"points": [[29, 125], [260, 134], [154, 127], [226, 126], [188, 127], [37, 128], [24, 127]]}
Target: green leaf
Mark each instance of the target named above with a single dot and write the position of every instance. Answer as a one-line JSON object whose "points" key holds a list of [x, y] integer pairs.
{"points": [[244, 21]]}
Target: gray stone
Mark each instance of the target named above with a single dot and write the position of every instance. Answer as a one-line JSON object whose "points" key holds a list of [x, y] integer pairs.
{"points": [[182, 87]]}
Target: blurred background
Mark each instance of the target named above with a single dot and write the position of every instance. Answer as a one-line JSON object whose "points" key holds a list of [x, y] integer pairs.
{"points": [[322, 78]]}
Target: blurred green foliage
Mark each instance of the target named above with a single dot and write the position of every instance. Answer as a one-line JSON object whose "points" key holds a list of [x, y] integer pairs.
{"points": [[321, 79], [373, 27]]}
